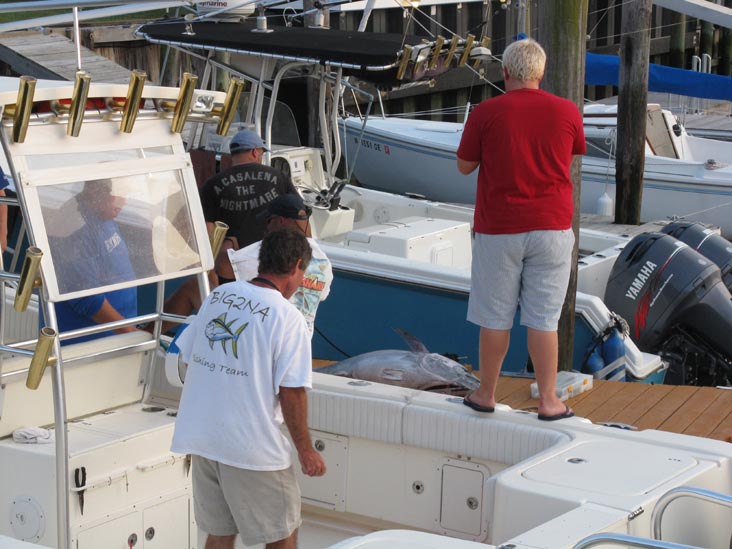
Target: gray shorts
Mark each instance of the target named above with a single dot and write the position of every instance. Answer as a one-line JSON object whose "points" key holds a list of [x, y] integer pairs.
{"points": [[261, 506], [527, 269]]}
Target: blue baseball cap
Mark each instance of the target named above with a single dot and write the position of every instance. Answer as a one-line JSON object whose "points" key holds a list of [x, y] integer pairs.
{"points": [[246, 140]]}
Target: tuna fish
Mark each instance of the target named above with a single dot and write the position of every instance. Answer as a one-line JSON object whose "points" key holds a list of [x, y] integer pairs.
{"points": [[220, 330], [415, 369]]}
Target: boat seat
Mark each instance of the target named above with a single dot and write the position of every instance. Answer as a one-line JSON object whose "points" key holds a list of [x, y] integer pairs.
{"points": [[351, 415], [399, 422], [477, 437], [91, 386]]}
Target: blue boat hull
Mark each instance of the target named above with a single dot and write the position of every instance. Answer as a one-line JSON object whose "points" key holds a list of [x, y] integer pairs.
{"points": [[362, 311]]}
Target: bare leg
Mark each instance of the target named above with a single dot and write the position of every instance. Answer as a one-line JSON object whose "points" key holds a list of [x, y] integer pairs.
{"points": [[544, 351], [220, 542], [287, 543], [493, 349]]}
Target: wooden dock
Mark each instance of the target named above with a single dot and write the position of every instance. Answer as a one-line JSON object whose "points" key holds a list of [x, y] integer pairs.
{"points": [[698, 411], [53, 57]]}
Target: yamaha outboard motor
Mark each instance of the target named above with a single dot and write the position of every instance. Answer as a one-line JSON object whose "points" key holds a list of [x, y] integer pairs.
{"points": [[706, 242], [660, 285]]}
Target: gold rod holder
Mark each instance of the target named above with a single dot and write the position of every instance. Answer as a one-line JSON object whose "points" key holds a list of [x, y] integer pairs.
{"points": [[183, 105], [41, 357], [132, 104], [217, 237], [485, 42], [404, 62], [236, 85], [453, 48], [29, 279], [436, 52], [469, 42], [78, 103], [24, 107]]}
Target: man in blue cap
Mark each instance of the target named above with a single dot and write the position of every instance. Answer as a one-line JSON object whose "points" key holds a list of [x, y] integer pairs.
{"points": [[237, 195]]}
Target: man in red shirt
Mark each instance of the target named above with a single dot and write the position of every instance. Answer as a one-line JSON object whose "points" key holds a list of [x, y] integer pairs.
{"points": [[522, 142]]}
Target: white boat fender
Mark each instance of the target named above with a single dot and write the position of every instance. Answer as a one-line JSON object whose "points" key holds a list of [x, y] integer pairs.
{"points": [[605, 205], [175, 369]]}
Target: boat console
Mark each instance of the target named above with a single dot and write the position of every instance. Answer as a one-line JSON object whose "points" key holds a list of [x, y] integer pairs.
{"points": [[83, 462]]}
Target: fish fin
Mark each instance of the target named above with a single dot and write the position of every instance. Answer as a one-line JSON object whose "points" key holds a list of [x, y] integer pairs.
{"points": [[222, 318], [412, 342], [223, 345], [210, 343], [234, 348], [240, 330]]}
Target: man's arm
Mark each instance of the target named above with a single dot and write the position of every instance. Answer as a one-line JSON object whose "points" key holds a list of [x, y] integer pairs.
{"points": [[294, 402], [466, 167], [107, 313]]}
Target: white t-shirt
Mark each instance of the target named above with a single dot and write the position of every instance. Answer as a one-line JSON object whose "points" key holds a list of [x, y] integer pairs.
{"points": [[315, 286], [243, 345]]}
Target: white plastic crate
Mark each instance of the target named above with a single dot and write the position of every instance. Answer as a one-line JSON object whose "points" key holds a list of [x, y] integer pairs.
{"points": [[569, 384]]}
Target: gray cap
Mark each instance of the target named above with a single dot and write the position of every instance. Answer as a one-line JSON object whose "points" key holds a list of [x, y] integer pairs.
{"points": [[246, 140]]}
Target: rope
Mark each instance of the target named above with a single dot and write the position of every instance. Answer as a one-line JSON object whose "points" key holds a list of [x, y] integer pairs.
{"points": [[329, 342], [686, 216]]}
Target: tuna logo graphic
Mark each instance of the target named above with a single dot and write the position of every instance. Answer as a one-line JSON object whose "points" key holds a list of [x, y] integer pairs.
{"points": [[220, 330], [640, 280]]}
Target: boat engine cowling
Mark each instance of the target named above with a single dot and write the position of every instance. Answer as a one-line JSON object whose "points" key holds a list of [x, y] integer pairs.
{"points": [[706, 242], [658, 283]]}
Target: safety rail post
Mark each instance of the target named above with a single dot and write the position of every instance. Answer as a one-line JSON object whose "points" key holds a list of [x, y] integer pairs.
{"points": [[680, 492], [624, 540]]}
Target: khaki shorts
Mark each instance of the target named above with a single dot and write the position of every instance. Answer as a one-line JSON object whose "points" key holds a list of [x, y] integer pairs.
{"points": [[261, 506]]}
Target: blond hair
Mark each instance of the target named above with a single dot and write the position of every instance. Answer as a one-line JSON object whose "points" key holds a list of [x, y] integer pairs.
{"points": [[524, 60]]}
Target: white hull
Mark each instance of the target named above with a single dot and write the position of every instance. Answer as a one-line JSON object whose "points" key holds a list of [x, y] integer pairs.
{"points": [[421, 159]]}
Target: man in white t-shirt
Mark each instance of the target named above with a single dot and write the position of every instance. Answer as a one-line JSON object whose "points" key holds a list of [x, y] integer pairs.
{"points": [[249, 365], [289, 211]]}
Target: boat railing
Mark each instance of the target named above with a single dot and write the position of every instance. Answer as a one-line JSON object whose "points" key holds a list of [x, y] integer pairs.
{"points": [[680, 492], [624, 540]]}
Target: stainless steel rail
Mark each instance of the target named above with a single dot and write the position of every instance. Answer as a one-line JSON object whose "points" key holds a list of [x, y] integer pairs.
{"points": [[680, 492], [625, 540]]}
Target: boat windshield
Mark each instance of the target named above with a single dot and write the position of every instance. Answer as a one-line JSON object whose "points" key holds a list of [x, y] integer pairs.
{"points": [[111, 210], [116, 230]]}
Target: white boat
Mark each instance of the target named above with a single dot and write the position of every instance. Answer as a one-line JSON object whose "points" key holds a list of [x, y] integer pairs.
{"points": [[397, 259], [397, 458], [684, 177]]}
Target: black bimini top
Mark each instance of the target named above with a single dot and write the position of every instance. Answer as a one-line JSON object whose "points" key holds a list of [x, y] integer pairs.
{"points": [[363, 53]]}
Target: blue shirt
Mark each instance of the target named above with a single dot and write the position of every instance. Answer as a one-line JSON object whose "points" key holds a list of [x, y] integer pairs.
{"points": [[98, 257]]}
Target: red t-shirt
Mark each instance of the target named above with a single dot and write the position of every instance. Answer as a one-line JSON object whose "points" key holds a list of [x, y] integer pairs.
{"points": [[524, 141]]}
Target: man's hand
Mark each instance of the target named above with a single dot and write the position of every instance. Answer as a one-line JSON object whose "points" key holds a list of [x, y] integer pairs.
{"points": [[312, 463], [294, 402]]}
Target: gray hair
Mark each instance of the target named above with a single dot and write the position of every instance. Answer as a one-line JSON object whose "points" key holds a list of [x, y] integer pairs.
{"points": [[524, 60]]}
